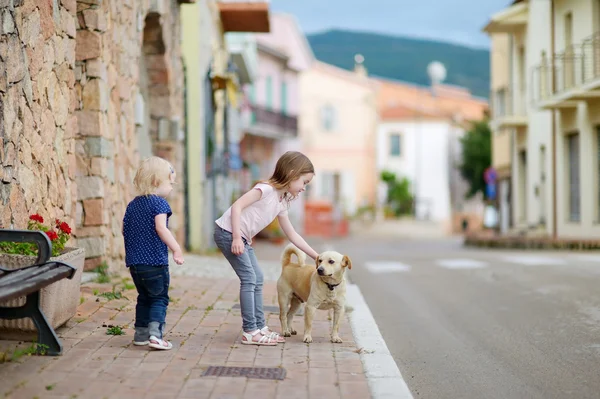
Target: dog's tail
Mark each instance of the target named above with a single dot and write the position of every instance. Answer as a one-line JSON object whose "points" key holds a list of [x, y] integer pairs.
{"points": [[290, 250]]}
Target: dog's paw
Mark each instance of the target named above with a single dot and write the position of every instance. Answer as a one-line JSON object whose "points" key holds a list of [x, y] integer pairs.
{"points": [[293, 332], [287, 333], [336, 340], [307, 339]]}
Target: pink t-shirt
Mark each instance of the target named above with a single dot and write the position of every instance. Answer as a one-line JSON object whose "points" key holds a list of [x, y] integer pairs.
{"points": [[257, 216]]}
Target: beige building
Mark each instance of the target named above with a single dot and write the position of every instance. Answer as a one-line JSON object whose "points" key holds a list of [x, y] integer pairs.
{"points": [[337, 127], [554, 58], [508, 105]]}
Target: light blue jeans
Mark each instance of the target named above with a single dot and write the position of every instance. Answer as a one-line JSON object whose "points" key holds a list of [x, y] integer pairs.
{"points": [[251, 279]]}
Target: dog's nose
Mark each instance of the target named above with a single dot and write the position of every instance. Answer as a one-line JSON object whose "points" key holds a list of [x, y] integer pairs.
{"points": [[321, 271]]}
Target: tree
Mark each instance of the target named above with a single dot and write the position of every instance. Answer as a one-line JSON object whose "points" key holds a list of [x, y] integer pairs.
{"points": [[399, 198], [476, 156]]}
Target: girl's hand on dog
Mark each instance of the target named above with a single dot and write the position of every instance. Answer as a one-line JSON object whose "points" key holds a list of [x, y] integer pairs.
{"points": [[237, 246]]}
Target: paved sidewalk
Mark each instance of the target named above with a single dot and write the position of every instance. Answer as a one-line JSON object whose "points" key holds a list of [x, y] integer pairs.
{"points": [[205, 329]]}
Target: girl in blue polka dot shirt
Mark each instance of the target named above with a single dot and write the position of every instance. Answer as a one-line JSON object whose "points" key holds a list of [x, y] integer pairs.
{"points": [[147, 243]]}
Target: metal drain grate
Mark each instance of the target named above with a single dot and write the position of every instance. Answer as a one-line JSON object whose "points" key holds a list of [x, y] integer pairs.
{"points": [[264, 373], [273, 309]]}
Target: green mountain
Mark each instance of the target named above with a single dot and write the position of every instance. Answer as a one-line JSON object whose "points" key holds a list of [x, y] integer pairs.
{"points": [[404, 58]]}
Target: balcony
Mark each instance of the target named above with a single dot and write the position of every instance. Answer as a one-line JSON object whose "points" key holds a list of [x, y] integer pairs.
{"points": [[575, 73], [508, 109], [244, 15], [263, 122]]}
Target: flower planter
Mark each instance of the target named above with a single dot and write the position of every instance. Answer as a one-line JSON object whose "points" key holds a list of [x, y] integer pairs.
{"points": [[59, 300]]}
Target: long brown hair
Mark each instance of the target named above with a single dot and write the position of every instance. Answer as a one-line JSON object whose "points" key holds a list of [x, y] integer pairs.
{"points": [[290, 167]]}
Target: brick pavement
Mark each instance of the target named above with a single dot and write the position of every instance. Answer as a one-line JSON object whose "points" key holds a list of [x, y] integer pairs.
{"points": [[205, 331]]}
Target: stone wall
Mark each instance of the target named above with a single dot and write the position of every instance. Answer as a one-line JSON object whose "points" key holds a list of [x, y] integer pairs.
{"points": [[73, 107]]}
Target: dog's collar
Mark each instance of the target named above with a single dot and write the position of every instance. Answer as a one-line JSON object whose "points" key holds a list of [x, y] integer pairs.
{"points": [[332, 286]]}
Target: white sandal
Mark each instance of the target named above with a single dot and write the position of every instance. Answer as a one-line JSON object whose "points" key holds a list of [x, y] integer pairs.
{"points": [[264, 339], [266, 331], [158, 343]]}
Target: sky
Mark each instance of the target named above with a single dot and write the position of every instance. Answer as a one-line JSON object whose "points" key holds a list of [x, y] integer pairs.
{"points": [[455, 21]]}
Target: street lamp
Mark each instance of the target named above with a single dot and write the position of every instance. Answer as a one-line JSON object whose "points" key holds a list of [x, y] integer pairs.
{"points": [[437, 73]]}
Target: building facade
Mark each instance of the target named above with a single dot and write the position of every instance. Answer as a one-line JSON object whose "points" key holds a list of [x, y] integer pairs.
{"points": [[338, 122]]}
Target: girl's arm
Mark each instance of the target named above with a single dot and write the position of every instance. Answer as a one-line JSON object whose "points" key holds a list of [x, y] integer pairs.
{"points": [[294, 237], [237, 246], [160, 223]]}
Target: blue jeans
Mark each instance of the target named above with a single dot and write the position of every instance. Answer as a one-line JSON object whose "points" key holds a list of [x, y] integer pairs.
{"points": [[152, 284], [251, 279]]}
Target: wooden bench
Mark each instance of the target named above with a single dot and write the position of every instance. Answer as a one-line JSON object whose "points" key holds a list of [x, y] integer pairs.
{"points": [[28, 281]]}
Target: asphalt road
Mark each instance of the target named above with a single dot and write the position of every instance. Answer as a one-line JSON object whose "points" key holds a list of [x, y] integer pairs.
{"points": [[465, 323]]}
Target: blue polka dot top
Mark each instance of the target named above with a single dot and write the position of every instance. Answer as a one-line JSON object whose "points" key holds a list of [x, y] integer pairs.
{"points": [[143, 246]]}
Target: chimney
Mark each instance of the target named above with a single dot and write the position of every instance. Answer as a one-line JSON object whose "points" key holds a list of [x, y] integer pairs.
{"points": [[359, 67]]}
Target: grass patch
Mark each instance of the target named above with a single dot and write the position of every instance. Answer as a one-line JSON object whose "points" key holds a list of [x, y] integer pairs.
{"points": [[115, 330], [33, 349], [103, 274]]}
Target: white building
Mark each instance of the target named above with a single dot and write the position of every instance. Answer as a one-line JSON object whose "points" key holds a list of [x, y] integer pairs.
{"points": [[423, 147]]}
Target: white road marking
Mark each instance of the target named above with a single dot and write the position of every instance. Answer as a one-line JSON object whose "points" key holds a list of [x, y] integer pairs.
{"points": [[589, 258], [534, 260], [461, 263], [384, 377], [387, 267]]}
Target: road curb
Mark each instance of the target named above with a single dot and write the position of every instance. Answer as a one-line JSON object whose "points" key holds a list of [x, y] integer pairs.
{"points": [[384, 377]]}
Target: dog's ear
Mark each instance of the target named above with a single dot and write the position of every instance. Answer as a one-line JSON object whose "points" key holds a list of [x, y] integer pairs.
{"points": [[346, 262], [317, 261]]}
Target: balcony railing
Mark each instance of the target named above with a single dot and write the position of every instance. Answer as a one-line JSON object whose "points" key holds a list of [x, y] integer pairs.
{"points": [[571, 69], [274, 120], [505, 103]]}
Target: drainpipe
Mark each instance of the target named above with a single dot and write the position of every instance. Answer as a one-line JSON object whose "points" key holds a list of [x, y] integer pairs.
{"points": [[553, 87]]}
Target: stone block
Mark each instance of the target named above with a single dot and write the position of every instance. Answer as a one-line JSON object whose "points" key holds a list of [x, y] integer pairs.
{"points": [[31, 28], [95, 19], [89, 45], [68, 23], [90, 123], [96, 68], [98, 147], [94, 246], [69, 5], [95, 95], [90, 187], [8, 23], [15, 64], [93, 211], [47, 17]]}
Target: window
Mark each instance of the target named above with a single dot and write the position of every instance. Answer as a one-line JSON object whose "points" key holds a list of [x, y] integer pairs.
{"points": [[328, 117], [395, 149], [284, 98], [574, 182], [269, 88]]}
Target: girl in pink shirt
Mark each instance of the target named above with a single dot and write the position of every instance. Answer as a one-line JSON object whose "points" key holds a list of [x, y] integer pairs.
{"points": [[251, 213]]}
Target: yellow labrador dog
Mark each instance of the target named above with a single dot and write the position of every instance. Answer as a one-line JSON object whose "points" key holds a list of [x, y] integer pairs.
{"points": [[321, 287]]}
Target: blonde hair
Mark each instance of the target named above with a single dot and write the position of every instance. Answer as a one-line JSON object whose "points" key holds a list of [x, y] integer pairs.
{"points": [[151, 173], [290, 167]]}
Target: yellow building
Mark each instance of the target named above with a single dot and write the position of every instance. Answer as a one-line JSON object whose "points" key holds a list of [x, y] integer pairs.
{"points": [[211, 86], [554, 116]]}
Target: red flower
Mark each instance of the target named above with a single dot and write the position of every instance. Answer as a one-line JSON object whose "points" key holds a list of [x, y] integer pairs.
{"points": [[52, 235], [65, 227], [37, 218], [57, 221]]}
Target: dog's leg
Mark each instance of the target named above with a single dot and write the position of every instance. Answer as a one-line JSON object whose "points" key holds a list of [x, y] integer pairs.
{"points": [[284, 306], [309, 314], [338, 315], [290, 317]]}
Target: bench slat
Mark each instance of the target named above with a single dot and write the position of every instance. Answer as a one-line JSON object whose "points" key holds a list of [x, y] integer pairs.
{"points": [[11, 278], [33, 283]]}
